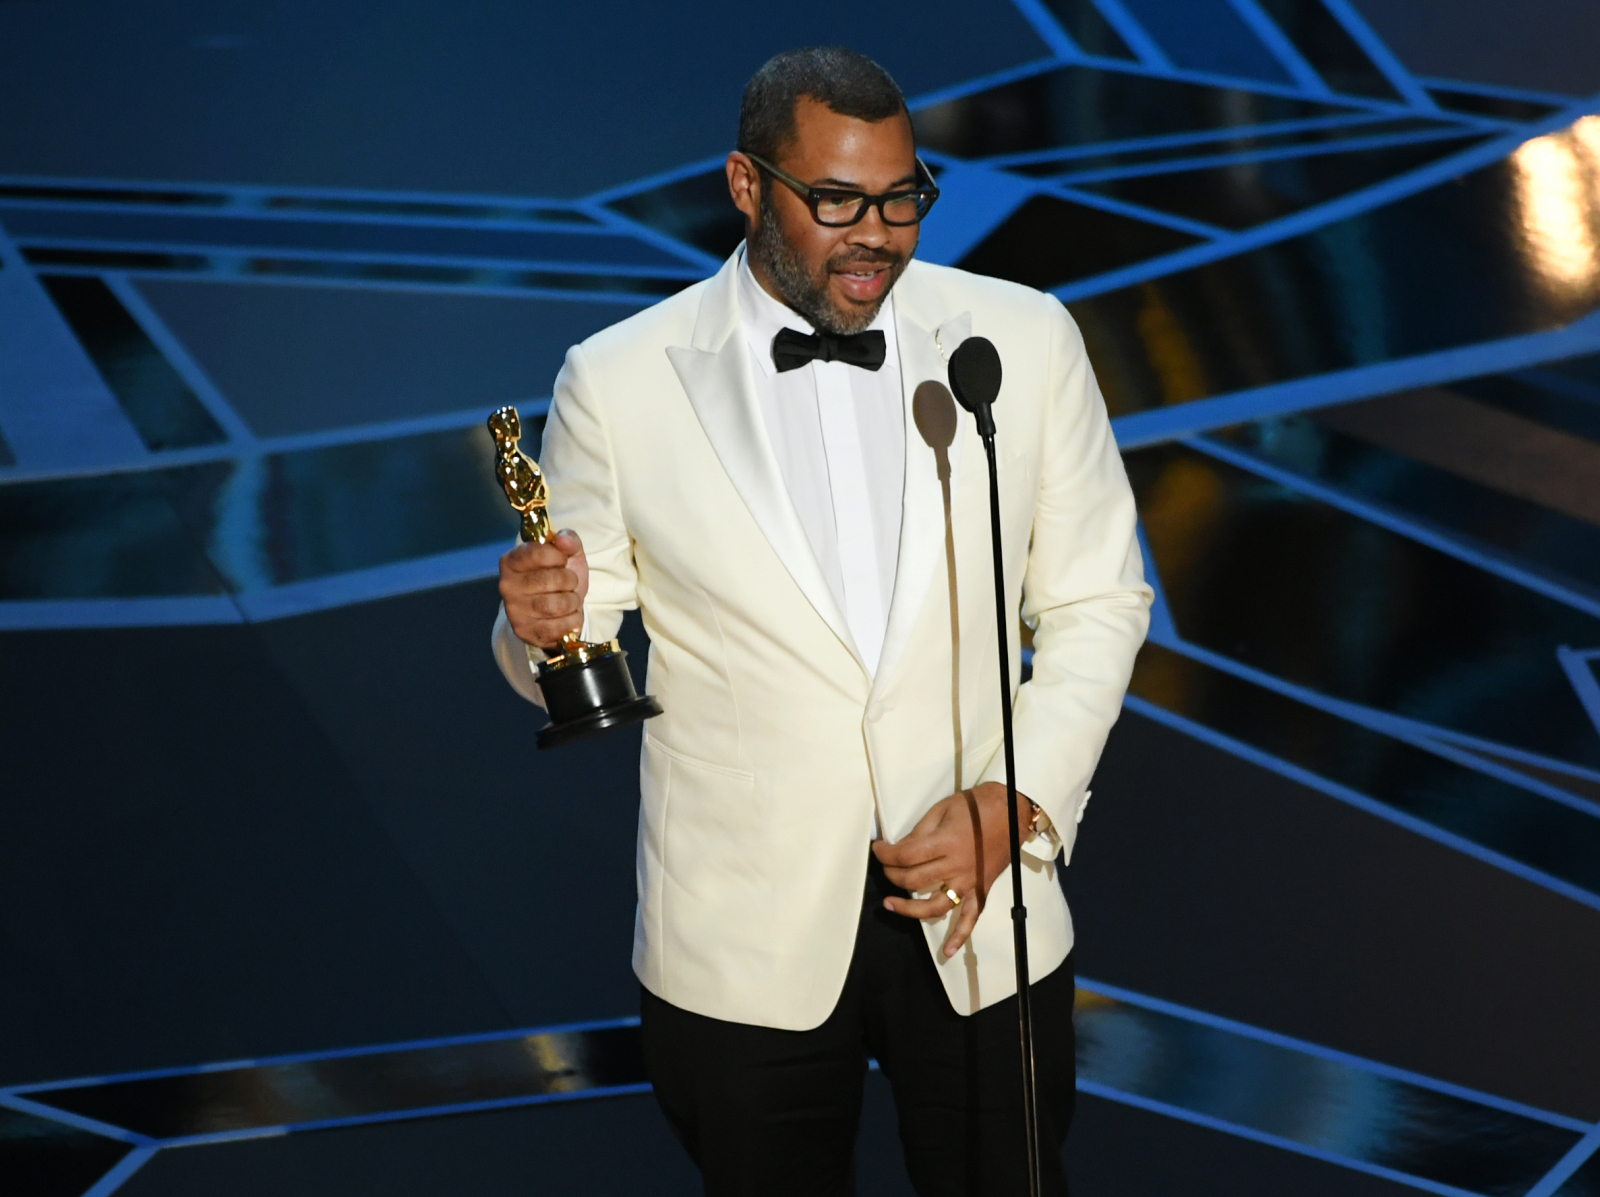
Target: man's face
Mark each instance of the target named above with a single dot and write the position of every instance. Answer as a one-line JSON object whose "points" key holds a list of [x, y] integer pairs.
{"points": [[837, 278]]}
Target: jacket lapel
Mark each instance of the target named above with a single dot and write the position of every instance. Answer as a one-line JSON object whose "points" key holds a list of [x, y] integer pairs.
{"points": [[715, 372], [926, 342]]}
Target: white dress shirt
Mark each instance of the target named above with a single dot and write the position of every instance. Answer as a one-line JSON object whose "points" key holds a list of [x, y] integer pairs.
{"points": [[839, 435]]}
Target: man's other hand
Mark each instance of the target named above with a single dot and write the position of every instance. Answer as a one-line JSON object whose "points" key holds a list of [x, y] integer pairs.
{"points": [[543, 587], [962, 843]]}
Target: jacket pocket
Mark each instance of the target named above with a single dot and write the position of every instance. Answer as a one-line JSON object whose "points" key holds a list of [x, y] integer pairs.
{"points": [[713, 832], [694, 762]]}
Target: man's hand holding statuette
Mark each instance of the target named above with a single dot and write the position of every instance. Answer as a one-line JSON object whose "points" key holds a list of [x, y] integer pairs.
{"points": [[543, 587]]}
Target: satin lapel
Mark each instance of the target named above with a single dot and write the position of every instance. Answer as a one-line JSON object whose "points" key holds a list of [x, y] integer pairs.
{"points": [[715, 373], [922, 515]]}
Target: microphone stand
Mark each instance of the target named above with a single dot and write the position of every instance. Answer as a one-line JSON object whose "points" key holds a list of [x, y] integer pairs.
{"points": [[1019, 911]]}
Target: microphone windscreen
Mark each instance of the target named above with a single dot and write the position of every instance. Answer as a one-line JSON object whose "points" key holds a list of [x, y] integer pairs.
{"points": [[935, 414], [975, 373]]}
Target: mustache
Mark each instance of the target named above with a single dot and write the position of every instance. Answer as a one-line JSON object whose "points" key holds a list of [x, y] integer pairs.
{"points": [[864, 256]]}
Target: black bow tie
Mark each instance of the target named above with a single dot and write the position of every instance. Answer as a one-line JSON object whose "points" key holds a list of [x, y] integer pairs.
{"points": [[792, 349]]}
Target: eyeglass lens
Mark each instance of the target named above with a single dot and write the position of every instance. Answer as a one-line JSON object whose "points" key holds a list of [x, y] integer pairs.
{"points": [[845, 207]]}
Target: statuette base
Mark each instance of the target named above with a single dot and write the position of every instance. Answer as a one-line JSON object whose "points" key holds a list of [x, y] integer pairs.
{"points": [[588, 696]]}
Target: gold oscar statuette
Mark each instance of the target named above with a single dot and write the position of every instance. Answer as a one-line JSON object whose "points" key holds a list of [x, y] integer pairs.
{"points": [[587, 687]]}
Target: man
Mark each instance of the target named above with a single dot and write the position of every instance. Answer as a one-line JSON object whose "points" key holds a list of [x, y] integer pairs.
{"points": [[740, 462]]}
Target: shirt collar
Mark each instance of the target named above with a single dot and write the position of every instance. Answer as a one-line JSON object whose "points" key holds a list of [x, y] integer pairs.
{"points": [[763, 316]]}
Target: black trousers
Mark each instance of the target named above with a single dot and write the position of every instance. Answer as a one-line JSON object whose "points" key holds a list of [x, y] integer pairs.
{"points": [[774, 1113]]}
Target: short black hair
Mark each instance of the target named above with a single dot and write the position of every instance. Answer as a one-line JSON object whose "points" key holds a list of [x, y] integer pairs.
{"points": [[850, 84]]}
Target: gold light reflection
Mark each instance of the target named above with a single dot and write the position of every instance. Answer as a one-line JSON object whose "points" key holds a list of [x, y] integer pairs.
{"points": [[1181, 507], [1558, 202], [1167, 346], [558, 1058]]}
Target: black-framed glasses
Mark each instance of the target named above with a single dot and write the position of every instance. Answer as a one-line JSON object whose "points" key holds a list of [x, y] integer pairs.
{"points": [[839, 207]]}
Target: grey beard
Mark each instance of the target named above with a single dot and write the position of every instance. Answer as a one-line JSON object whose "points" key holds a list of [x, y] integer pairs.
{"points": [[798, 289]]}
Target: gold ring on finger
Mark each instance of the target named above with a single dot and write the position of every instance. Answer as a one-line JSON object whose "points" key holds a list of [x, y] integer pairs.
{"points": [[955, 898]]}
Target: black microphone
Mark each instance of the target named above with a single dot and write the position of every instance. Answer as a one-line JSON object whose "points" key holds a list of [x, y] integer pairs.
{"points": [[975, 379]]}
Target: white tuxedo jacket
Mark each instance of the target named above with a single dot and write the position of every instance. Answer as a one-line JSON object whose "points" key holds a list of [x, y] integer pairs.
{"points": [[759, 783]]}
